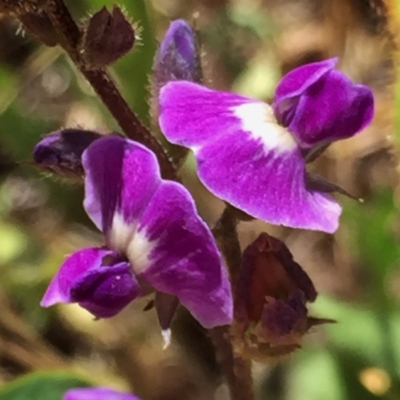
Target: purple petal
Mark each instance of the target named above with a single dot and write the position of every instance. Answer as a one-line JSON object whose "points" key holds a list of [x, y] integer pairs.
{"points": [[319, 104], [99, 393], [121, 178], [75, 265], [192, 115], [96, 279], [175, 252], [105, 291], [296, 82], [244, 157]]}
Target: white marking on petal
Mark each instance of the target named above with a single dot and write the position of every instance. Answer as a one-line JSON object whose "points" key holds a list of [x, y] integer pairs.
{"points": [[121, 233], [139, 250], [127, 239], [258, 119]]}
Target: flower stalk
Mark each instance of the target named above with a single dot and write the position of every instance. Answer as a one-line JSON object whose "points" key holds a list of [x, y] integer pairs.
{"points": [[237, 369], [104, 86]]}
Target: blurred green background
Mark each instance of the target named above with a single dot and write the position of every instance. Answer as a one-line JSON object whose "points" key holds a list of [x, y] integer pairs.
{"points": [[246, 46]]}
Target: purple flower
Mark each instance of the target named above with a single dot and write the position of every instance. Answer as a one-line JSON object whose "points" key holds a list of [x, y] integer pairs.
{"points": [[154, 241], [98, 393], [253, 155]]}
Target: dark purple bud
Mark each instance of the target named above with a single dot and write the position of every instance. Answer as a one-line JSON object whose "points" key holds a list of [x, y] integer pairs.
{"points": [[97, 393], [61, 151], [270, 299], [40, 27], [107, 37]]}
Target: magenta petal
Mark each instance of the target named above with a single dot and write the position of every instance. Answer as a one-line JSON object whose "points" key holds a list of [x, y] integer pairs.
{"points": [[191, 114], [183, 259], [121, 177], [296, 82], [98, 393], [319, 104], [106, 290], [267, 185], [96, 279], [74, 266], [244, 157]]}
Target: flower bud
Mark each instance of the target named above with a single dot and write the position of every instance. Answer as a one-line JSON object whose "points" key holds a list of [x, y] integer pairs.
{"points": [[272, 292], [107, 37], [61, 151], [177, 57]]}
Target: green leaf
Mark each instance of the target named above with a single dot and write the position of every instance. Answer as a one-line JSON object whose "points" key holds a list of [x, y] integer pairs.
{"points": [[41, 386]]}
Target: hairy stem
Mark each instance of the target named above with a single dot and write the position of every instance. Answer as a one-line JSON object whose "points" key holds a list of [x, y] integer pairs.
{"points": [[104, 86], [236, 368]]}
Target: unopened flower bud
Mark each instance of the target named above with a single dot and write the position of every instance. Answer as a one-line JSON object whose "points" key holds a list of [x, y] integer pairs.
{"points": [[107, 37], [61, 151], [272, 292], [177, 57]]}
